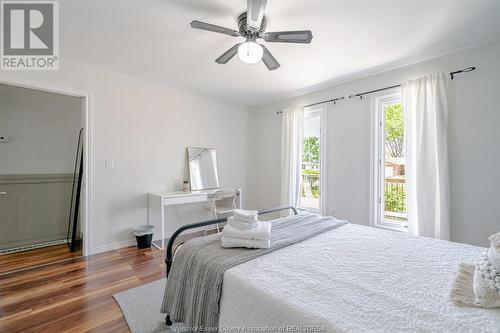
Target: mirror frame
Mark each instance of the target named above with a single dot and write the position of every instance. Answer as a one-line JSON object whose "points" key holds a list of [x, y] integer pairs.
{"points": [[190, 173]]}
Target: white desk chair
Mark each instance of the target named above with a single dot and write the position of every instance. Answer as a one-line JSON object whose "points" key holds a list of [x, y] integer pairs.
{"points": [[221, 204]]}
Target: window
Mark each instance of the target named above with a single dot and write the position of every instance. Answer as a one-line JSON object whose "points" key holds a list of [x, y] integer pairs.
{"points": [[390, 163], [312, 155]]}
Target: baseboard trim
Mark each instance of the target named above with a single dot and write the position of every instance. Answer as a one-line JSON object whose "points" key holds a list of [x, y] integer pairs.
{"points": [[113, 246], [31, 247]]}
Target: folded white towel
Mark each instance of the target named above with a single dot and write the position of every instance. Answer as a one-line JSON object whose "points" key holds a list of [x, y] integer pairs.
{"points": [[245, 214], [244, 219], [262, 232], [229, 242], [242, 225]]}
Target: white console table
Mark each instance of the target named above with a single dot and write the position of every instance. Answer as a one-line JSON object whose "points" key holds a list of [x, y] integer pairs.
{"points": [[158, 200]]}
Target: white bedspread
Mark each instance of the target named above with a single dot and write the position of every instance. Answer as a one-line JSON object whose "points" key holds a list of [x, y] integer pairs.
{"points": [[354, 279]]}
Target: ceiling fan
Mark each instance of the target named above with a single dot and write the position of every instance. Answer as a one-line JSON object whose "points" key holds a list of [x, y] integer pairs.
{"points": [[252, 26]]}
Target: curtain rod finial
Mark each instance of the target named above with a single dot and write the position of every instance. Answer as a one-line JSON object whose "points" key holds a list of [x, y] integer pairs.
{"points": [[464, 70]]}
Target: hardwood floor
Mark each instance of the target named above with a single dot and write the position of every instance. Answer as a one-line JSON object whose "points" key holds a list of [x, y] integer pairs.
{"points": [[37, 257], [75, 295]]}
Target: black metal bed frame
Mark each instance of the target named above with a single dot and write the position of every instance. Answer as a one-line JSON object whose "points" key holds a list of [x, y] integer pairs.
{"points": [[170, 246]]}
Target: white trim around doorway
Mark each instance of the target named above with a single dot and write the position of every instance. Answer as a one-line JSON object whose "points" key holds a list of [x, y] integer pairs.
{"points": [[87, 151]]}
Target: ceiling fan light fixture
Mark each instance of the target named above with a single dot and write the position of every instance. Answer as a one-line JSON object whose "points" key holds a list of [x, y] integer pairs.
{"points": [[250, 52], [252, 26]]}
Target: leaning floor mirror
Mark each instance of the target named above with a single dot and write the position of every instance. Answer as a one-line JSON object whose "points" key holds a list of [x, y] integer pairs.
{"points": [[203, 173]]}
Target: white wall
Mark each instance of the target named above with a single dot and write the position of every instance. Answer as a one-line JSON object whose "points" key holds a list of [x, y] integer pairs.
{"points": [[43, 129], [474, 137], [145, 128]]}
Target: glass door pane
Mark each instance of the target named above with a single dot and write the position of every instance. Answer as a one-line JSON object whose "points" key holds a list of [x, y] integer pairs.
{"points": [[310, 193], [394, 187]]}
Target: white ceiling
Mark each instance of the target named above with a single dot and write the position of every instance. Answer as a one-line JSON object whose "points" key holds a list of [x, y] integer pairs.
{"points": [[152, 39]]}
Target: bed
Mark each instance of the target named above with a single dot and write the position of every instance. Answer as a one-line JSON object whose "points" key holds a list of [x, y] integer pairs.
{"points": [[352, 279]]}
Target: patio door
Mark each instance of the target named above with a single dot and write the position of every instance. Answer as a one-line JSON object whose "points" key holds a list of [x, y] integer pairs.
{"points": [[313, 153], [390, 163]]}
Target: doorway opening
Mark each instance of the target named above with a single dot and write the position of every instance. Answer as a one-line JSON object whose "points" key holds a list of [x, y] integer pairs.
{"points": [[42, 219]]}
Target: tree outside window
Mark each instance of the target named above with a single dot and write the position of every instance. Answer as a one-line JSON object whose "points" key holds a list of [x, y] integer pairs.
{"points": [[310, 166]]}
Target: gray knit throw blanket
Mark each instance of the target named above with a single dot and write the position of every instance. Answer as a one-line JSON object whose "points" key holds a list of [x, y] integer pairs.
{"points": [[194, 283]]}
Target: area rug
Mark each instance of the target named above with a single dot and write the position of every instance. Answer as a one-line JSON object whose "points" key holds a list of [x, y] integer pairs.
{"points": [[141, 308]]}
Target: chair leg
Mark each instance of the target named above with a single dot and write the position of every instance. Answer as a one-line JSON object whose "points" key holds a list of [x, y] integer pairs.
{"points": [[217, 225], [206, 228], [212, 216]]}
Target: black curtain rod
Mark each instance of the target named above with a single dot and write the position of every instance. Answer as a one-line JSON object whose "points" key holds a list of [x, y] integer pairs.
{"points": [[334, 100], [452, 76], [360, 95], [328, 101]]}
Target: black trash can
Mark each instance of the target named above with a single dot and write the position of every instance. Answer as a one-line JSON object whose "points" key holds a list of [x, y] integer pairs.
{"points": [[144, 235]]}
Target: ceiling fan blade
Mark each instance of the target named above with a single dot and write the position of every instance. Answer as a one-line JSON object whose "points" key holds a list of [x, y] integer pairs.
{"points": [[215, 28], [268, 59], [255, 13], [228, 55], [301, 36]]}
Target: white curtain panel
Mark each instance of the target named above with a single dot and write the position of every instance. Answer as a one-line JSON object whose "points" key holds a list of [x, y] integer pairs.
{"points": [[292, 137], [426, 123]]}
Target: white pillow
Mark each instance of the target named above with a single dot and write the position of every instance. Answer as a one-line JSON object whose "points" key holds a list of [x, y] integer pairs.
{"points": [[479, 285], [494, 258], [487, 281]]}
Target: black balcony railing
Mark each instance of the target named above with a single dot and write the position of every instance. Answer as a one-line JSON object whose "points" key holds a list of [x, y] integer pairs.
{"points": [[395, 199]]}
